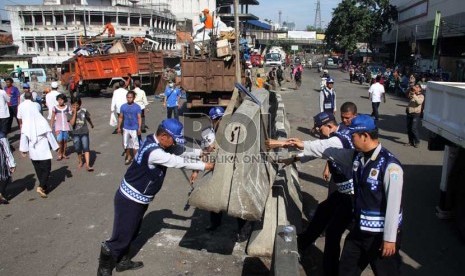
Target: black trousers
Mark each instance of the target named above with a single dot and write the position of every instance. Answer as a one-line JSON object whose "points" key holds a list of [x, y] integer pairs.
{"points": [[171, 110], [4, 125], [363, 248], [3, 185], [375, 107], [413, 125], [126, 224], [13, 110], [335, 215], [42, 168]]}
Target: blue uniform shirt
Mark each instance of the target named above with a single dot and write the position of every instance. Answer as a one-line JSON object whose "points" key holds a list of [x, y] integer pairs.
{"points": [[172, 95]]}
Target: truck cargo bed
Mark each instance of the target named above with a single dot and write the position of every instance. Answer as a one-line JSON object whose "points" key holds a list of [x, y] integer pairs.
{"points": [[444, 112]]}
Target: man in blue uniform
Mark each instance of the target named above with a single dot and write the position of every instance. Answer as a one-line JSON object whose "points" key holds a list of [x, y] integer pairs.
{"points": [[378, 181], [142, 181], [335, 213]]}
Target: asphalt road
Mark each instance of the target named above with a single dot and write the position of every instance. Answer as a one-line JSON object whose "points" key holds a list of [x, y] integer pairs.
{"points": [[60, 235]]}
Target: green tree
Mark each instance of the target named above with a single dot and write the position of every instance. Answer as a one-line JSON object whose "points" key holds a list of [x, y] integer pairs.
{"points": [[359, 21]]}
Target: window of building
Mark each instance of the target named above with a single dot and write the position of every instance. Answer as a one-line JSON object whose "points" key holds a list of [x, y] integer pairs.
{"points": [[134, 21], [30, 46], [123, 20], [59, 19], [145, 22], [71, 2], [61, 45], [96, 20], [27, 20], [50, 46], [40, 46], [38, 19], [69, 19], [48, 19], [71, 44]]}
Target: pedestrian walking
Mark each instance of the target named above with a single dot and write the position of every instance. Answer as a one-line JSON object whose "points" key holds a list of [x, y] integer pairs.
{"points": [[375, 93], [118, 99], [51, 98], [298, 76], [141, 100], [13, 93], [28, 109], [36, 140], [171, 101], [79, 118], [4, 111], [378, 181], [7, 166], [60, 124], [248, 79], [129, 124], [142, 181], [280, 75], [328, 97], [19, 73], [414, 109], [271, 78]]}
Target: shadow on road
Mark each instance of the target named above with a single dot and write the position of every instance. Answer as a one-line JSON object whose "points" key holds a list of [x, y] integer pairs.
{"points": [[57, 177], [19, 185], [254, 266], [221, 241], [152, 224]]}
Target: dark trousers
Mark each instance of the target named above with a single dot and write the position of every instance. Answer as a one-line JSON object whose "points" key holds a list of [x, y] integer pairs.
{"points": [[13, 110], [126, 224], [171, 110], [413, 125], [334, 214], [3, 185], [363, 248], [375, 113], [42, 168], [4, 125]]}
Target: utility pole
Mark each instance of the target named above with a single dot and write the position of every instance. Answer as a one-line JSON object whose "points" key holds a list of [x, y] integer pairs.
{"points": [[237, 31]]}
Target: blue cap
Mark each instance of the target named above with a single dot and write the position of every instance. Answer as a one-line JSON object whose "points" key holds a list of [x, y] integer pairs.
{"points": [[362, 123], [216, 112], [329, 80], [26, 85], [174, 128], [323, 118]]}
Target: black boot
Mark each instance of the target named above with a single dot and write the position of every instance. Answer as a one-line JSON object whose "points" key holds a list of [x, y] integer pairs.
{"points": [[127, 264], [106, 261]]}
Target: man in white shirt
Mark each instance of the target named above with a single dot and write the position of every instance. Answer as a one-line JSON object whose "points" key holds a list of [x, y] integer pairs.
{"points": [[118, 99], [28, 109], [36, 139], [51, 99], [141, 100], [376, 92], [4, 111]]}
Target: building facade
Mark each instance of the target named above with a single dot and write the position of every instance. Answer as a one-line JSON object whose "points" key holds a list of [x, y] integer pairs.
{"points": [[414, 33], [53, 30]]}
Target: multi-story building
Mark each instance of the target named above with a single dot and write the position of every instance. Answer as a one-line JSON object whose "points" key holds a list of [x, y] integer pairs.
{"points": [[53, 30], [414, 33]]}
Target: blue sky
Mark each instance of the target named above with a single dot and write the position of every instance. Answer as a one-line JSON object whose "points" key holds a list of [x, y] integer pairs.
{"points": [[302, 12]]}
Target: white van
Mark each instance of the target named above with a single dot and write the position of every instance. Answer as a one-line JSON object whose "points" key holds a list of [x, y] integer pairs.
{"points": [[28, 72]]}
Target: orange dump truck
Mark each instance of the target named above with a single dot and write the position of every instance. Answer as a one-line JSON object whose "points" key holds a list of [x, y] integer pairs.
{"points": [[97, 74]]}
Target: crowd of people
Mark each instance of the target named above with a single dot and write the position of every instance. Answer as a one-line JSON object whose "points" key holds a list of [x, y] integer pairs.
{"points": [[366, 179]]}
